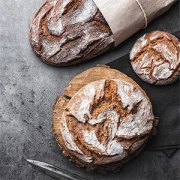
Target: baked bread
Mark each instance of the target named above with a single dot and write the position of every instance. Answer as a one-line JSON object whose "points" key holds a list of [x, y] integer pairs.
{"points": [[105, 123], [155, 58], [66, 32]]}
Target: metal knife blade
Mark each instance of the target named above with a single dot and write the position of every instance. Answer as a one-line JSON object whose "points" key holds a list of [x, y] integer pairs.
{"points": [[53, 171]]}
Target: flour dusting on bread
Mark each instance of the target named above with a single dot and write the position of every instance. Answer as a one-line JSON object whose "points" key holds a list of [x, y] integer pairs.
{"points": [[136, 120]]}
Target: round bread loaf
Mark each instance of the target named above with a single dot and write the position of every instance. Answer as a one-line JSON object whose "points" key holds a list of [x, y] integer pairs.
{"points": [[155, 58], [66, 32], [105, 123]]}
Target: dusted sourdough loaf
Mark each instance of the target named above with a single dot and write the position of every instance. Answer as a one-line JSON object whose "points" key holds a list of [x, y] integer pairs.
{"points": [[105, 123], [155, 58], [65, 32]]}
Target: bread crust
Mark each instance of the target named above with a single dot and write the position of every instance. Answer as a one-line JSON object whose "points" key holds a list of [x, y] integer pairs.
{"points": [[67, 32], [155, 58], [132, 144]]}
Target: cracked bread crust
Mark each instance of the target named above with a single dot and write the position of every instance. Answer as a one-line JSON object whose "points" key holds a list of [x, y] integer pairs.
{"points": [[95, 127], [155, 58], [66, 32]]}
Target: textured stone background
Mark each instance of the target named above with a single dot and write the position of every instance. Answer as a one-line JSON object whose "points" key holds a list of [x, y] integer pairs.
{"points": [[28, 89]]}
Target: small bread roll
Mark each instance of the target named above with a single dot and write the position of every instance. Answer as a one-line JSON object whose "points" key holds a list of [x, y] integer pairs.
{"points": [[155, 58]]}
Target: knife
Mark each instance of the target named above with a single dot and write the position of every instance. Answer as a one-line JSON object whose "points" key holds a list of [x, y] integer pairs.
{"points": [[53, 171]]}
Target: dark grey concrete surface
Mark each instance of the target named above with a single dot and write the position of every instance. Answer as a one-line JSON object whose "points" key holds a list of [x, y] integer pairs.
{"points": [[28, 89]]}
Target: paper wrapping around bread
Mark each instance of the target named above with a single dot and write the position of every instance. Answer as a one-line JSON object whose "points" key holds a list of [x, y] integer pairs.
{"points": [[67, 32], [125, 17]]}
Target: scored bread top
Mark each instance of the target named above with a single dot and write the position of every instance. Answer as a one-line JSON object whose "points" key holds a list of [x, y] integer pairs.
{"points": [[155, 57], [65, 32], [105, 121]]}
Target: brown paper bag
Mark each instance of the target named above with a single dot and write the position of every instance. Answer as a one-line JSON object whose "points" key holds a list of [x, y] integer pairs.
{"points": [[125, 17]]}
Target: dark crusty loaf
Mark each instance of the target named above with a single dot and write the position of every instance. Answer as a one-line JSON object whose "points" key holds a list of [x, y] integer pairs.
{"points": [[155, 58], [66, 32], [104, 124]]}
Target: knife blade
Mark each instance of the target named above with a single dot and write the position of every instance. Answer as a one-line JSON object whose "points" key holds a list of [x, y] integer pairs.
{"points": [[53, 171]]}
